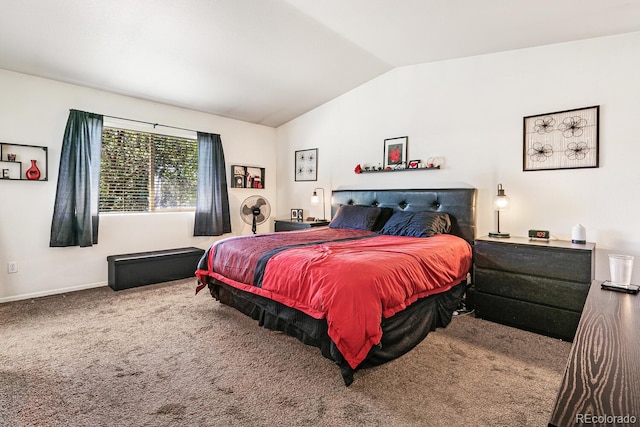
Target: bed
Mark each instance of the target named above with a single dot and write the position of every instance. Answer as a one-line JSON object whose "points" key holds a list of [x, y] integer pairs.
{"points": [[391, 267]]}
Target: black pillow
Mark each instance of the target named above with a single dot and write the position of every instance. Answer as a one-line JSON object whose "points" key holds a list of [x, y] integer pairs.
{"points": [[385, 214], [417, 224], [355, 217], [397, 223]]}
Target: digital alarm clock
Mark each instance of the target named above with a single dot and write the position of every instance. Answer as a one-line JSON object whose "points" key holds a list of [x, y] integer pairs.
{"points": [[539, 234]]}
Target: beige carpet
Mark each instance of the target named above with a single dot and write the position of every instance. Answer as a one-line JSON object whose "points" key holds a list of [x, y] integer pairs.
{"points": [[160, 356]]}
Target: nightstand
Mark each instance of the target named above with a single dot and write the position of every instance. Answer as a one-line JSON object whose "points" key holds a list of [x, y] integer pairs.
{"points": [[292, 224], [536, 285]]}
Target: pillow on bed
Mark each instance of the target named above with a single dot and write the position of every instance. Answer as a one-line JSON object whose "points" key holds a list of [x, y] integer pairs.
{"points": [[355, 217], [417, 224], [396, 223], [385, 214]]}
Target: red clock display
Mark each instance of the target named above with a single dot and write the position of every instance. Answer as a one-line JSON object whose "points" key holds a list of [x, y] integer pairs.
{"points": [[539, 234]]}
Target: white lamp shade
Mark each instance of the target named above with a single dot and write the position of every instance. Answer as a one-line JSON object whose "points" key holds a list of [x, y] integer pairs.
{"points": [[501, 203]]}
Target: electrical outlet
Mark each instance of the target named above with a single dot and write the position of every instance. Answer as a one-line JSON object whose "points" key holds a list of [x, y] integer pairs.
{"points": [[12, 267]]}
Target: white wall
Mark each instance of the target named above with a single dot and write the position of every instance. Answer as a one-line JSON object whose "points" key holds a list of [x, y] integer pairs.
{"points": [[34, 111], [470, 112]]}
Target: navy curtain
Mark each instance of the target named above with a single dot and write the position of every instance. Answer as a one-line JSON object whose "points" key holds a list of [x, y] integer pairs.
{"points": [[75, 213], [212, 205]]}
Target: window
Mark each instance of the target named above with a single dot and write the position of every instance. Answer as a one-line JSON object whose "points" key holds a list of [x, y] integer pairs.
{"points": [[147, 172]]}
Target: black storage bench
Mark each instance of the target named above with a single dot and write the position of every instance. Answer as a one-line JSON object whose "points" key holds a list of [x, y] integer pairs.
{"points": [[145, 268]]}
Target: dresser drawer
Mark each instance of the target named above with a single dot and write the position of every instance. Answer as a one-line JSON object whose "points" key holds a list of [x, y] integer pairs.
{"points": [[541, 290], [550, 321], [558, 263]]}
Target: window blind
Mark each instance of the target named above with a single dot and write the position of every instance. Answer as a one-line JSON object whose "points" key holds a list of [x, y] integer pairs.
{"points": [[146, 172]]}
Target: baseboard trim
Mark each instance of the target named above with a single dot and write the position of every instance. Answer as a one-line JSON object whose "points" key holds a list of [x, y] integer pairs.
{"points": [[51, 292]]}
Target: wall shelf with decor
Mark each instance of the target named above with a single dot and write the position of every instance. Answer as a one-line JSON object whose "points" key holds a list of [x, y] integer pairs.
{"points": [[398, 170], [24, 162], [247, 176], [400, 165]]}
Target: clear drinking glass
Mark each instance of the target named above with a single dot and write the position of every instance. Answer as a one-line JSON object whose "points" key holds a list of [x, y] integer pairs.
{"points": [[620, 267]]}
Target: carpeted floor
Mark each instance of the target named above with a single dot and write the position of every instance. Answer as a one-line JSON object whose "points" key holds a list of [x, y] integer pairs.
{"points": [[160, 356]]}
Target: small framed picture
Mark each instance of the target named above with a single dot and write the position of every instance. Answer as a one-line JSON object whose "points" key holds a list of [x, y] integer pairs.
{"points": [[294, 214], [413, 164], [395, 152], [300, 215]]}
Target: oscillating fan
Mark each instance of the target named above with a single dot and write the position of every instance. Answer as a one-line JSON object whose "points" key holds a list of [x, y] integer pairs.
{"points": [[255, 210]]}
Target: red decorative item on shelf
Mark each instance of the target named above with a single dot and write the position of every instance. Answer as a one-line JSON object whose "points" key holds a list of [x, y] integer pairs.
{"points": [[358, 168], [33, 173]]}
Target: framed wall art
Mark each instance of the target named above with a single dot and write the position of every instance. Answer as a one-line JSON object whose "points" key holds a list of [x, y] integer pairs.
{"points": [[395, 152], [306, 166], [562, 140]]}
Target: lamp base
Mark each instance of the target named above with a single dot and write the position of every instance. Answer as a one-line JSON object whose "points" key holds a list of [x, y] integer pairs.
{"points": [[500, 235]]}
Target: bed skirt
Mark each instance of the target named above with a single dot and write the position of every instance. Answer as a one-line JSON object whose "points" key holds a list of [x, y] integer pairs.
{"points": [[400, 332]]}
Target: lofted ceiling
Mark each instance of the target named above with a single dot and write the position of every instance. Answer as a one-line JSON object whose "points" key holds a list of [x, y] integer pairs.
{"points": [[269, 61]]}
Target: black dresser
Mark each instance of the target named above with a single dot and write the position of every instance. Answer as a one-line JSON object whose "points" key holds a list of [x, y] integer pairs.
{"points": [[292, 224], [540, 286]]}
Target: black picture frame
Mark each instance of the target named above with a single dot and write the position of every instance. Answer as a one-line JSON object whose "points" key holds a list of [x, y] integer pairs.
{"points": [[566, 139], [306, 165], [395, 152]]}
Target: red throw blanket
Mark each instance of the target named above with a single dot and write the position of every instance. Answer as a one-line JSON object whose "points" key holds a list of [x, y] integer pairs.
{"points": [[353, 282]]}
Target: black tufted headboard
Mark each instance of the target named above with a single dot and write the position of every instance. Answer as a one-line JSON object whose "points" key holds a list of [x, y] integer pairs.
{"points": [[459, 203]]}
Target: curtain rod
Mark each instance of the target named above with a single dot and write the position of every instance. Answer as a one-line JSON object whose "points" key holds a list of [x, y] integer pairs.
{"points": [[148, 123]]}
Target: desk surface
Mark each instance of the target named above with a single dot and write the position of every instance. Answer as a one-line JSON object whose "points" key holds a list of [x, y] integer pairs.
{"points": [[602, 378]]}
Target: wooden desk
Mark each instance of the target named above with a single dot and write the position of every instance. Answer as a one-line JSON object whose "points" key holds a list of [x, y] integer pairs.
{"points": [[601, 383]]}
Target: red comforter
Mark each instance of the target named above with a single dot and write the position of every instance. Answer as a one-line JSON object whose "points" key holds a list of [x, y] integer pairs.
{"points": [[352, 278]]}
